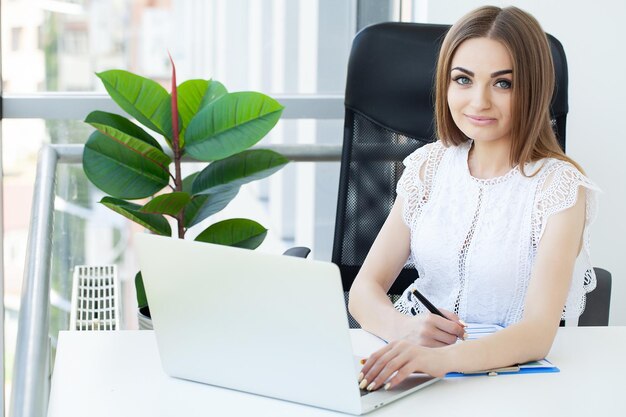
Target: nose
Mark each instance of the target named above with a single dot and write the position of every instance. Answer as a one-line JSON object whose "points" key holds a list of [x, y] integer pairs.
{"points": [[481, 98]]}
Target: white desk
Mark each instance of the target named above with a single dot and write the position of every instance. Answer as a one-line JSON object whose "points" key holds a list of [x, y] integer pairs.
{"points": [[119, 374]]}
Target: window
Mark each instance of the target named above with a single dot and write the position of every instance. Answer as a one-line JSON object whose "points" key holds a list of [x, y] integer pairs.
{"points": [[280, 47], [276, 46], [16, 39]]}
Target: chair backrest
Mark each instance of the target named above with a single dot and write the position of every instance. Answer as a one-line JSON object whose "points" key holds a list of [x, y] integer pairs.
{"points": [[389, 105], [598, 301]]}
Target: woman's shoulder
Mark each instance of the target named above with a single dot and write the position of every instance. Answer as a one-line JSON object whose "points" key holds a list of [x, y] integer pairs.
{"points": [[558, 185], [554, 170], [430, 152]]}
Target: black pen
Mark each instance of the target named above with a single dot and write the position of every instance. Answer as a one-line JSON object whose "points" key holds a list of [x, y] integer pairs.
{"points": [[430, 307], [428, 304]]}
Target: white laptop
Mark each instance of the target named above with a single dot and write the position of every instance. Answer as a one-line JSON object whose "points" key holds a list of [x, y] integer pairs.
{"points": [[266, 324]]}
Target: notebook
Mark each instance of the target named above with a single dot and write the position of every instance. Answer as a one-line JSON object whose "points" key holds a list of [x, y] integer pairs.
{"points": [[368, 343], [266, 324], [476, 331]]}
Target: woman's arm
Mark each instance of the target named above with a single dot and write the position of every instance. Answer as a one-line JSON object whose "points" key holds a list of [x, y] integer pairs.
{"points": [[369, 303], [529, 339]]}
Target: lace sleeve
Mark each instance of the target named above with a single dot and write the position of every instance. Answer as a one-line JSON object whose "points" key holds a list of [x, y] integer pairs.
{"points": [[559, 192], [416, 181]]}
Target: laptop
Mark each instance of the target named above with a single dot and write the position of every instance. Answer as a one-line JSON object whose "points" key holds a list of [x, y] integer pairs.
{"points": [[266, 324]]}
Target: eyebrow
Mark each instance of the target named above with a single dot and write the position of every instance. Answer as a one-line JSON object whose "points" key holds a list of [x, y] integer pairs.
{"points": [[493, 75]]}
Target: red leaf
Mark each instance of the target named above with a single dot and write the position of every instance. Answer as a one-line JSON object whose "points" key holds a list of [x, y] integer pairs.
{"points": [[175, 140]]}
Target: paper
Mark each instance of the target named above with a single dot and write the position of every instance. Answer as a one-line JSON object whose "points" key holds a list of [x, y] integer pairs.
{"points": [[365, 343], [476, 331]]}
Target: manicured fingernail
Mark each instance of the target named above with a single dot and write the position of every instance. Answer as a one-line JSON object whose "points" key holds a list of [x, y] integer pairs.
{"points": [[361, 377], [464, 337], [387, 386], [371, 386], [363, 384], [363, 361], [462, 323]]}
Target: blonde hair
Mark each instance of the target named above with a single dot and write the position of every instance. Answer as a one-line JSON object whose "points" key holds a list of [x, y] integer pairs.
{"points": [[532, 135]]}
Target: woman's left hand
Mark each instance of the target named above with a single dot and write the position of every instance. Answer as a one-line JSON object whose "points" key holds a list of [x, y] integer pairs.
{"points": [[401, 357]]}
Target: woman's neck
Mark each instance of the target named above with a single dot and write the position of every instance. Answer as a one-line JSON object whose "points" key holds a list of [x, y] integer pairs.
{"points": [[489, 159]]}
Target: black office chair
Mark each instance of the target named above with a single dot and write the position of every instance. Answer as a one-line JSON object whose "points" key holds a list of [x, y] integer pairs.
{"points": [[598, 301], [389, 113]]}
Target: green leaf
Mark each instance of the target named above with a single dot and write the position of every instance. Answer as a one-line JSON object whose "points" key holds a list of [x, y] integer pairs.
{"points": [[154, 222], [216, 90], [171, 203], [203, 206], [121, 171], [192, 210], [230, 125], [188, 182], [142, 300], [237, 170], [142, 98], [122, 124], [242, 233], [154, 154], [194, 95]]}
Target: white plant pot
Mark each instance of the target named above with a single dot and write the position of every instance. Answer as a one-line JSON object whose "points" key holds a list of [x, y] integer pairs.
{"points": [[145, 322]]}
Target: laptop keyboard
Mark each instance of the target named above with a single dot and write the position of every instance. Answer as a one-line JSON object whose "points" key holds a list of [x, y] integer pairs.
{"points": [[364, 392]]}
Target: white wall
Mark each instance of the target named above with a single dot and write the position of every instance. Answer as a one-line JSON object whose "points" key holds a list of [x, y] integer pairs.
{"points": [[593, 35]]}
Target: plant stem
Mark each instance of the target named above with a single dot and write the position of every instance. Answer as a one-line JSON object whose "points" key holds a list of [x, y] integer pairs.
{"points": [[178, 184], [178, 180]]}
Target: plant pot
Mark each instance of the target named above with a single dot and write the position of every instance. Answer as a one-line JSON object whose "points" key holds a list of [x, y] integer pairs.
{"points": [[143, 317]]}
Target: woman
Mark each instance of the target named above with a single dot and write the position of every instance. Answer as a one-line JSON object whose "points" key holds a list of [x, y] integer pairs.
{"points": [[493, 215]]}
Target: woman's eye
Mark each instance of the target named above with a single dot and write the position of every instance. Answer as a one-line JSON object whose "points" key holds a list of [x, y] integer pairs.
{"points": [[504, 84], [462, 80]]}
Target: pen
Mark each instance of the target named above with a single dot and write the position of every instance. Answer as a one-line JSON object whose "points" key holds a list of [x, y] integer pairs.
{"points": [[494, 372], [434, 309], [428, 304]]}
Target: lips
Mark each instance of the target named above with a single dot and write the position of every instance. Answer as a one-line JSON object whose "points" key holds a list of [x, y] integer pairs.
{"points": [[480, 120]]}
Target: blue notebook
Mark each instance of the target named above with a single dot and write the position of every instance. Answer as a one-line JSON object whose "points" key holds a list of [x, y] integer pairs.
{"points": [[476, 331]]}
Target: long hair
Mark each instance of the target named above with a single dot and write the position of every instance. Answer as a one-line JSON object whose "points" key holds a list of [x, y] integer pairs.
{"points": [[533, 81]]}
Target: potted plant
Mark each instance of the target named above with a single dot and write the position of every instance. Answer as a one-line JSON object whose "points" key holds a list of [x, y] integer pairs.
{"points": [[199, 119]]}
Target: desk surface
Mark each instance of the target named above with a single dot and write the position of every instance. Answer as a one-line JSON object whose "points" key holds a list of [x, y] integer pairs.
{"points": [[119, 374]]}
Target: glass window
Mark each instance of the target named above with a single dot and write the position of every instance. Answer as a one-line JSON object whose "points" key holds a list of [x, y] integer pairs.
{"points": [[16, 39], [276, 46]]}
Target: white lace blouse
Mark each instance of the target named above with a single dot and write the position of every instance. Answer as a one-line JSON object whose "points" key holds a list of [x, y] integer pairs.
{"points": [[474, 241]]}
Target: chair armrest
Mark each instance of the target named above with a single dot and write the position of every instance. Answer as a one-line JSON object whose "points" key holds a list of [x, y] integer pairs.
{"points": [[298, 252]]}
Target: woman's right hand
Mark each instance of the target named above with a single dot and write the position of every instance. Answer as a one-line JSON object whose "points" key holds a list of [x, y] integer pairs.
{"points": [[431, 330]]}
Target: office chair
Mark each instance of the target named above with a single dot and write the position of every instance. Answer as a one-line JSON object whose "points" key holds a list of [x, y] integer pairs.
{"points": [[389, 104]]}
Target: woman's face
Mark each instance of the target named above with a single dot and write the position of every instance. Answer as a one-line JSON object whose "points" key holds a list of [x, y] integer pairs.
{"points": [[480, 90]]}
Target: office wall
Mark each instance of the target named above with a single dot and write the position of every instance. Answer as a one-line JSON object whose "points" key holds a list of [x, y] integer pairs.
{"points": [[592, 33]]}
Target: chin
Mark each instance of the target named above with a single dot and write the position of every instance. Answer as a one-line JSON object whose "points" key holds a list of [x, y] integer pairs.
{"points": [[481, 135]]}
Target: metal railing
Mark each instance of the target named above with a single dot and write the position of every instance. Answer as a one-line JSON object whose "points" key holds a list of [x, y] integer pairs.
{"points": [[31, 374], [76, 106]]}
